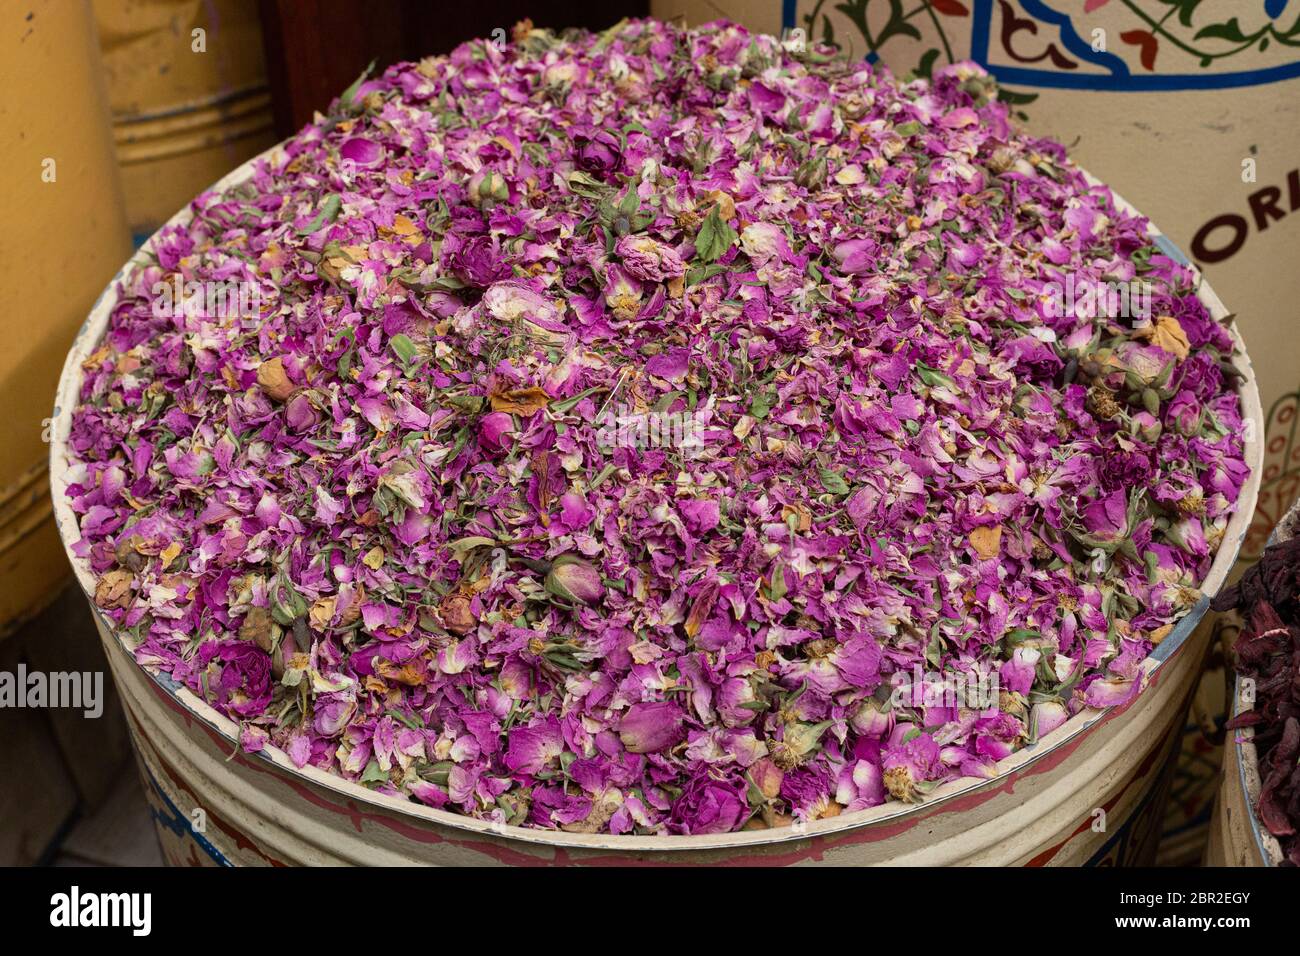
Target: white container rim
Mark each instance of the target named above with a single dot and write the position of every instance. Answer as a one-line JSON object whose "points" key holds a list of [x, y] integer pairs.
{"points": [[67, 398]]}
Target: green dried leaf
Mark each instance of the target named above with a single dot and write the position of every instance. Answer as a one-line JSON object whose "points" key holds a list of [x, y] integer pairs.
{"points": [[329, 211], [714, 238], [833, 482], [403, 348], [762, 404]]}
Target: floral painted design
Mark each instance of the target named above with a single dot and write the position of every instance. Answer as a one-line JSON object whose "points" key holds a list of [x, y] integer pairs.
{"points": [[878, 21], [1280, 483], [1103, 44]]}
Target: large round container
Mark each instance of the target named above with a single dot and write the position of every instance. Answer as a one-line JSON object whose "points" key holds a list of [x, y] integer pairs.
{"points": [[1091, 792], [1236, 837], [62, 233]]}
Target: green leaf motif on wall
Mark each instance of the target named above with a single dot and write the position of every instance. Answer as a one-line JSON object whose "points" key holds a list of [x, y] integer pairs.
{"points": [[886, 29]]}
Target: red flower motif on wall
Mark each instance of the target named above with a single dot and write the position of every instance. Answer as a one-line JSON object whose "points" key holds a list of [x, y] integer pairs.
{"points": [[1146, 42]]}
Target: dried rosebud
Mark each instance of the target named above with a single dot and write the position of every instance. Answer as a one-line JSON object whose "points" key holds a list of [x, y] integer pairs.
{"points": [[286, 603], [285, 644], [1106, 521], [622, 293], [488, 187], [300, 413], [648, 728], [855, 105], [1185, 414], [648, 260], [908, 766], [871, 720], [274, 381], [128, 553], [1148, 427], [1012, 702], [736, 701], [980, 88], [1047, 716], [494, 429], [457, 616], [812, 174], [711, 806], [797, 743], [598, 153], [573, 579], [767, 777], [1002, 159], [479, 262]]}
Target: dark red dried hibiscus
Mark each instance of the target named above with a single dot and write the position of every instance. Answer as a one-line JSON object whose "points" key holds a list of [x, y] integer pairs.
{"points": [[1268, 653]]}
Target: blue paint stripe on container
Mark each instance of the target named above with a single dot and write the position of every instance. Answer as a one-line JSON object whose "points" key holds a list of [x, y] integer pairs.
{"points": [[1166, 245], [179, 824], [788, 9]]}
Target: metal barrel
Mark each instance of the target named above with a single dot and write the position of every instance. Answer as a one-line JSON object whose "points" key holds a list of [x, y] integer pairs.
{"points": [[62, 231], [189, 98]]}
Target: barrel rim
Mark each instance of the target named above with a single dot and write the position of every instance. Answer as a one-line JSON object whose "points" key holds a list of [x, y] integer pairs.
{"points": [[1009, 769]]}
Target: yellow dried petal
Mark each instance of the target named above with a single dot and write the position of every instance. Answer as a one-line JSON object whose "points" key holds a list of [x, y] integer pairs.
{"points": [[726, 205], [322, 612], [1169, 335], [987, 541], [519, 401], [170, 553]]}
